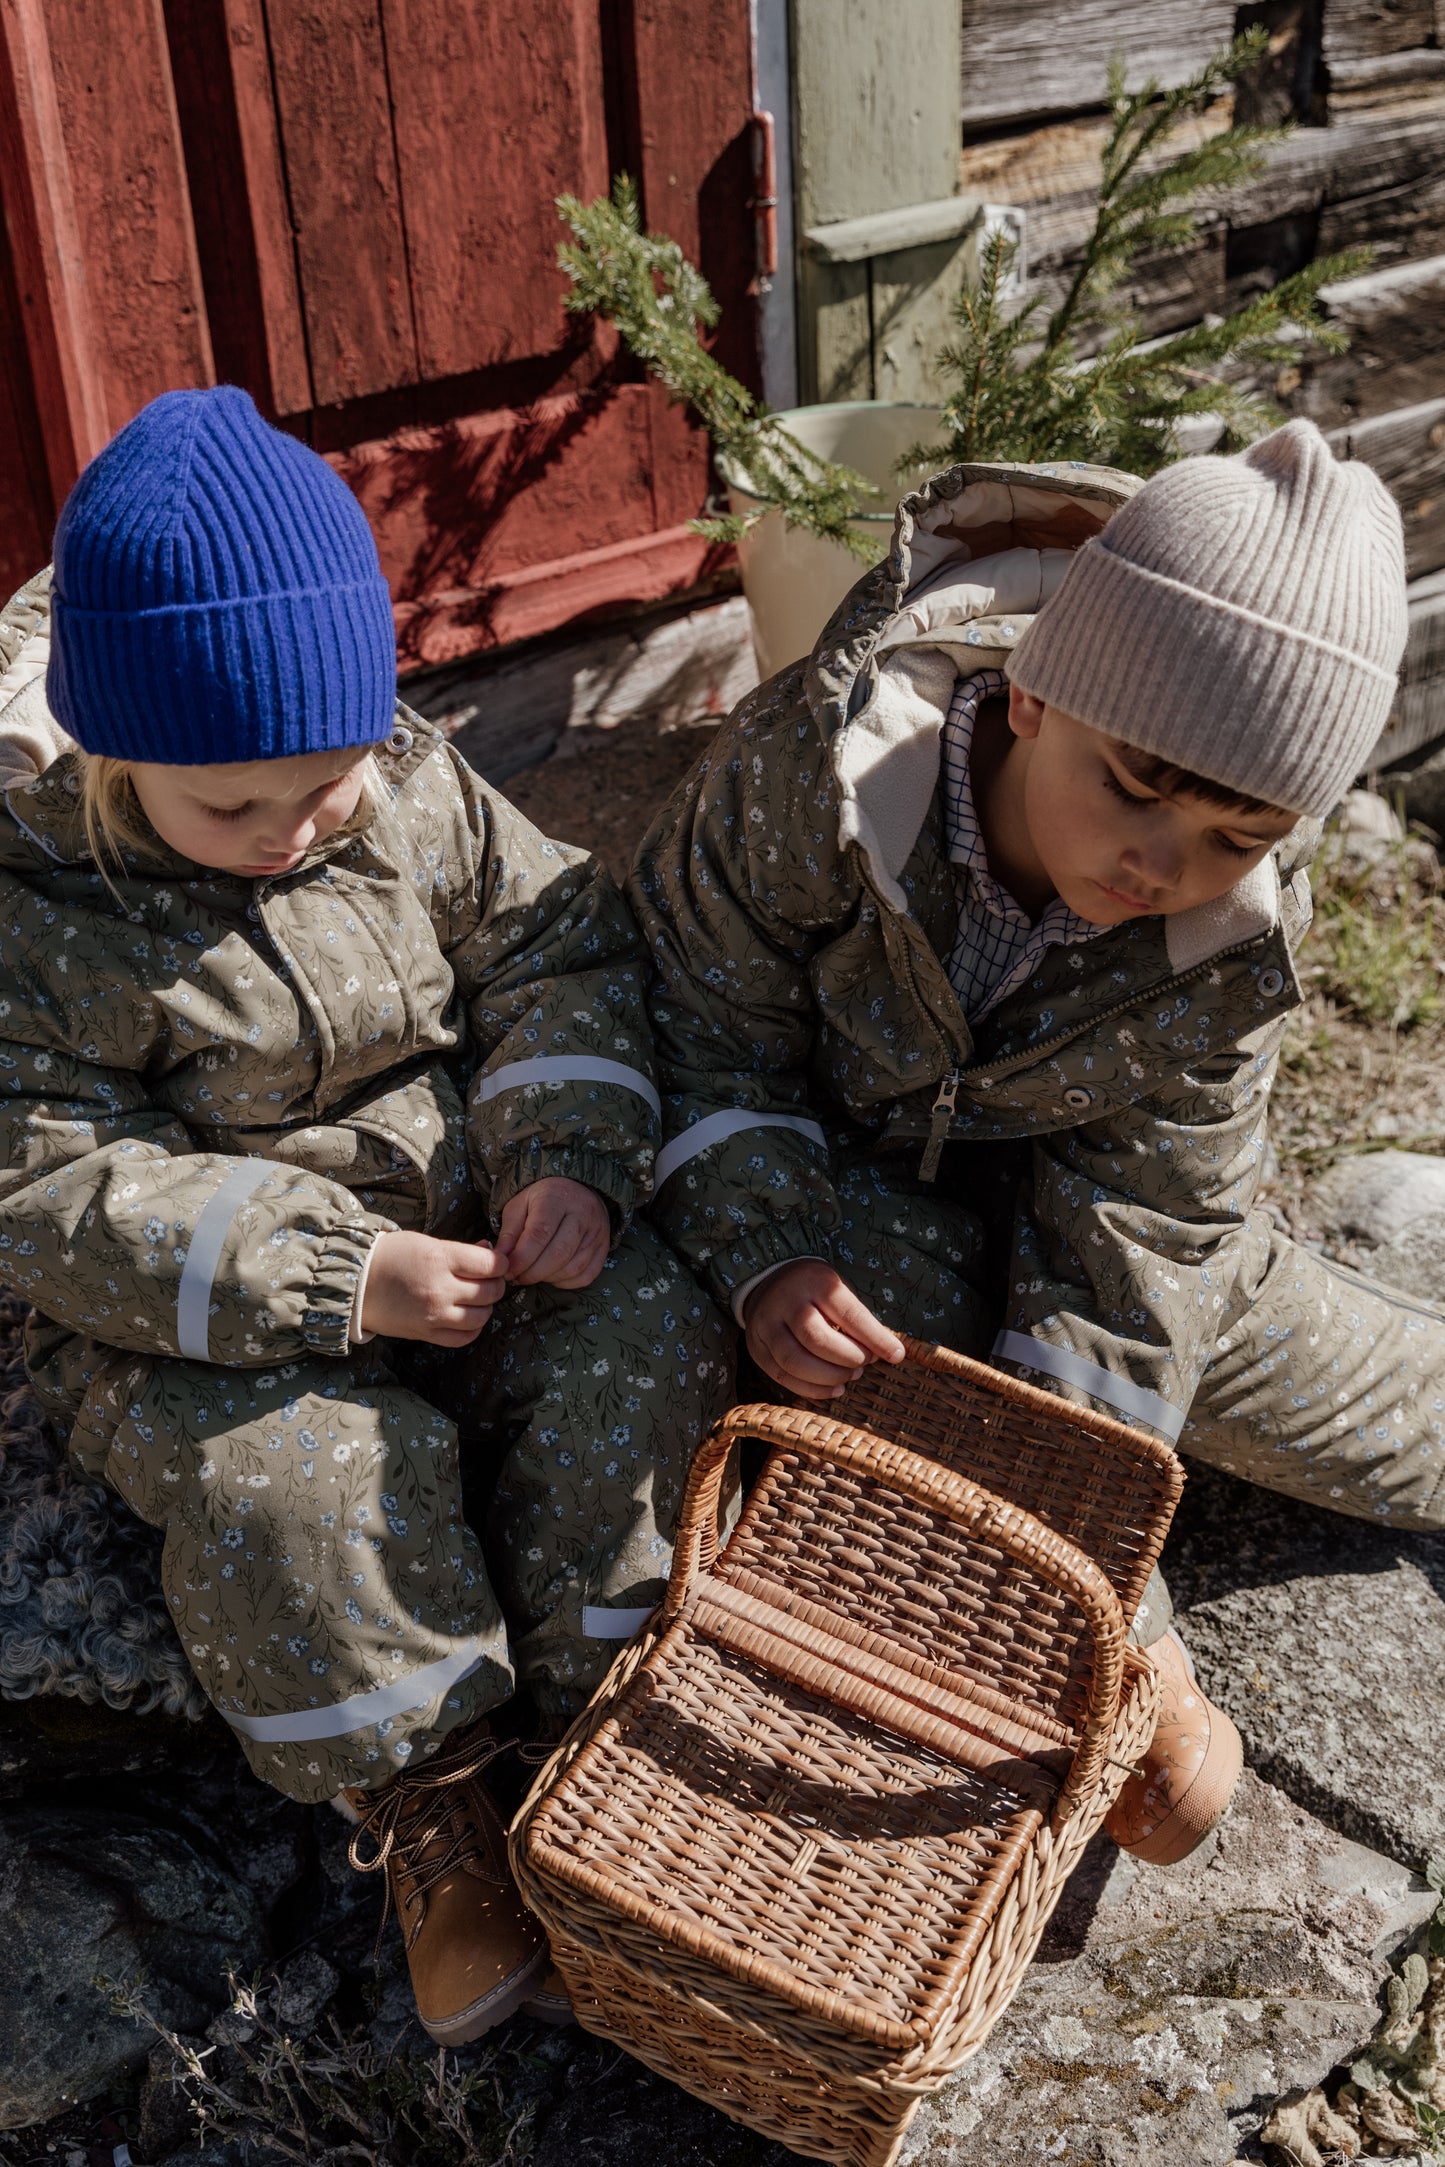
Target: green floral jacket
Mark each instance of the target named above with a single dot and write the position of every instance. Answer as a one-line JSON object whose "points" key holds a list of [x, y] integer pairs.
{"points": [[216, 1092], [799, 906]]}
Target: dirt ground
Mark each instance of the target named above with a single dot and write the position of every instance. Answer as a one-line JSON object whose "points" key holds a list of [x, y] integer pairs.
{"points": [[1364, 1062], [602, 789]]}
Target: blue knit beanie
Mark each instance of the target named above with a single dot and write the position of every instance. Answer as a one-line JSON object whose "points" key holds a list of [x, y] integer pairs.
{"points": [[217, 595]]}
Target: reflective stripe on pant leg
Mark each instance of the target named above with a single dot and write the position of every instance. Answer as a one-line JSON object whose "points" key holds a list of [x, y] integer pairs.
{"points": [[594, 1401], [1326, 1386], [325, 1587]]}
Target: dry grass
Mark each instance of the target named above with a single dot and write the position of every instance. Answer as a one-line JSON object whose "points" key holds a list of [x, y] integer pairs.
{"points": [[1363, 1064], [327, 2096]]}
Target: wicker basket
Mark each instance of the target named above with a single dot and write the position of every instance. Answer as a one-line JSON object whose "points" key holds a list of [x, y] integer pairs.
{"points": [[800, 1849]]}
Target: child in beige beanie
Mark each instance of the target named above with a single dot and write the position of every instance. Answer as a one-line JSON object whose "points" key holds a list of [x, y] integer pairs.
{"points": [[973, 945], [1243, 618]]}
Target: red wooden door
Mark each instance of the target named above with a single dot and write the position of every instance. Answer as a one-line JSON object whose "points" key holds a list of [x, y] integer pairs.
{"points": [[348, 206]]}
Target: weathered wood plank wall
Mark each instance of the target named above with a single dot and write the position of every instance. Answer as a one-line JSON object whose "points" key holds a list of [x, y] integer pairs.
{"points": [[98, 238], [1365, 82], [1025, 58], [350, 210]]}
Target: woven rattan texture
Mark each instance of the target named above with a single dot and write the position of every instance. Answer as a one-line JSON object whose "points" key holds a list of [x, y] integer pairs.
{"points": [[1101, 1486], [908, 1575], [790, 2074], [744, 1807], [800, 1849]]}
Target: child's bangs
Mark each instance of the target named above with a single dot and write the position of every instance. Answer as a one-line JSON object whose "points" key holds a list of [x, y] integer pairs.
{"points": [[115, 823], [1171, 780]]}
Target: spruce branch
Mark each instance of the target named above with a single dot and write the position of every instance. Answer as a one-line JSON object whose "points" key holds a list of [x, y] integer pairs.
{"points": [[660, 305], [1022, 390]]}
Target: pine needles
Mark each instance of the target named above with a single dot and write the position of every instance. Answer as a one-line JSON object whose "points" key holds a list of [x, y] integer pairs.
{"points": [[661, 304], [1022, 388], [1023, 391]]}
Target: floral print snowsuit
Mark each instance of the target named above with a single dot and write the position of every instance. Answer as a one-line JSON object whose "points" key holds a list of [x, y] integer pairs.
{"points": [[1066, 1186], [215, 1093]]}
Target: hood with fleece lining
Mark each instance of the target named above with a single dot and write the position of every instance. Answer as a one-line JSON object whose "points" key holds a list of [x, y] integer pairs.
{"points": [[30, 736]]}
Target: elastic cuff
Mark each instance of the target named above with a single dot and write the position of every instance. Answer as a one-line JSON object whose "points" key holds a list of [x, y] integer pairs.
{"points": [[354, 1331], [786, 1241], [345, 1255], [594, 1169]]}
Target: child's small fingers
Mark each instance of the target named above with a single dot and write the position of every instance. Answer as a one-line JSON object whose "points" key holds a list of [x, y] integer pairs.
{"points": [[874, 1338], [805, 1368], [585, 1265], [544, 1270], [478, 1293], [453, 1335], [806, 1391], [530, 1245], [813, 1331]]}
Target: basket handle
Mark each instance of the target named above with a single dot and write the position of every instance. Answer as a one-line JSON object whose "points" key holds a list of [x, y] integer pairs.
{"points": [[1008, 1527]]}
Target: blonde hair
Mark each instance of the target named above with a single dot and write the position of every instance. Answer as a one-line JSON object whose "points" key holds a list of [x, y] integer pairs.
{"points": [[110, 809], [115, 823]]}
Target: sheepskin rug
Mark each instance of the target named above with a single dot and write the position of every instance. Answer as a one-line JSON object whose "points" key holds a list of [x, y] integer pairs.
{"points": [[81, 1609]]}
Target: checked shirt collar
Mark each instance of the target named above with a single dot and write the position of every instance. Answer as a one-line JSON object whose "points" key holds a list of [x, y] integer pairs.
{"points": [[996, 948]]}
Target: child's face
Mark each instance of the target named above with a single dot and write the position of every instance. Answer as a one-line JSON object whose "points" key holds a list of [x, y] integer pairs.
{"points": [[256, 818], [1113, 847]]}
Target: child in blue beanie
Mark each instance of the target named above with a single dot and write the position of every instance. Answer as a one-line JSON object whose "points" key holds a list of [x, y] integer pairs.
{"points": [[326, 1101]]}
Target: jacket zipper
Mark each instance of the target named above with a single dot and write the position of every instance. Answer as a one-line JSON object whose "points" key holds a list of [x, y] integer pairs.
{"points": [[941, 1112], [938, 1127], [1120, 1008]]}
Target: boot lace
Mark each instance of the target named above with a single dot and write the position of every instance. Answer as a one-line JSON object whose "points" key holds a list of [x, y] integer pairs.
{"points": [[418, 1810]]}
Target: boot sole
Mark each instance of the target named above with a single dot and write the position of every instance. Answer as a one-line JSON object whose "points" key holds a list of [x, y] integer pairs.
{"points": [[1204, 1805], [489, 2010], [553, 2009]]}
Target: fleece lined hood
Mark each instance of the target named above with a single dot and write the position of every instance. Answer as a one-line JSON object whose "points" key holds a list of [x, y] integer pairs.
{"points": [[30, 736]]}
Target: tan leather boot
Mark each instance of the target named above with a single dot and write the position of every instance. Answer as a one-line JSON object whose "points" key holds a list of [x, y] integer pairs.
{"points": [[1190, 1770], [474, 1950], [549, 2001]]}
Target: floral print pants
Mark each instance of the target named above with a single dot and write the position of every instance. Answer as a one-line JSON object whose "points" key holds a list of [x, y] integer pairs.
{"points": [[1323, 1385], [341, 1604]]}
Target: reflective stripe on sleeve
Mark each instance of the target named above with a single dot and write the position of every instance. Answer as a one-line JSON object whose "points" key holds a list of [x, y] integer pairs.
{"points": [[1100, 1384], [714, 1128], [198, 1274], [364, 1709], [568, 1068], [600, 1624]]}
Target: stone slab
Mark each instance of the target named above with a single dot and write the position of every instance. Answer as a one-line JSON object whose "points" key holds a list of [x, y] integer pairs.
{"points": [[1168, 2009], [1324, 1638], [89, 1894], [1362, 812], [1374, 1195], [1414, 1260]]}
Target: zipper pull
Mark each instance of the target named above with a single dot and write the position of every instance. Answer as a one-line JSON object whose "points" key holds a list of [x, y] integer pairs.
{"points": [[938, 1128]]}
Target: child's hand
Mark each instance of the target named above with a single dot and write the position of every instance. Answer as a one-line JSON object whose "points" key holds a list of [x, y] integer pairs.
{"points": [[422, 1288], [807, 1328], [555, 1233]]}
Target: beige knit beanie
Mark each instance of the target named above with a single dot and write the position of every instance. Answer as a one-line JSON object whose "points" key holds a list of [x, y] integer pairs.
{"points": [[1244, 617]]}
